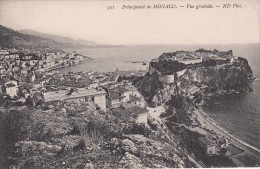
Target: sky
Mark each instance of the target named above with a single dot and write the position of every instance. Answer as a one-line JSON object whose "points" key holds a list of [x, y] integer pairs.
{"points": [[90, 20]]}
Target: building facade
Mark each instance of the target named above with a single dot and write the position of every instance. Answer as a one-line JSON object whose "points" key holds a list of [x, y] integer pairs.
{"points": [[80, 94]]}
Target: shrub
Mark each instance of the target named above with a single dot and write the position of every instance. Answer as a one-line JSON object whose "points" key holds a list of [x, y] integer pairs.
{"points": [[136, 128], [17, 124]]}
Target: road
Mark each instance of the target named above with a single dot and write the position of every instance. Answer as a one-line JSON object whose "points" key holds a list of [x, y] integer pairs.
{"points": [[211, 124]]}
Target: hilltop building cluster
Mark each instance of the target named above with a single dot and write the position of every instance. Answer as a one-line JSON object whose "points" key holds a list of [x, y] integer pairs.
{"points": [[172, 66]]}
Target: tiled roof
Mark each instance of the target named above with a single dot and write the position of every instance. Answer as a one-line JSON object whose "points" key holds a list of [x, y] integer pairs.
{"points": [[206, 141], [10, 85]]}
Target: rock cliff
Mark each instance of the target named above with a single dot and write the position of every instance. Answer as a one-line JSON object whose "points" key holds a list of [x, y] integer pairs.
{"points": [[230, 76], [236, 75]]}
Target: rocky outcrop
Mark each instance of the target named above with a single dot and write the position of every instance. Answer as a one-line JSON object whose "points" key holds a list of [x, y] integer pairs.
{"points": [[139, 152], [235, 75], [32, 153], [25, 148], [62, 138], [130, 161], [149, 85], [128, 146]]}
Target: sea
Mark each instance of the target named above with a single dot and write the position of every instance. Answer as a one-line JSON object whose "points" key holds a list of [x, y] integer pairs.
{"points": [[237, 113]]}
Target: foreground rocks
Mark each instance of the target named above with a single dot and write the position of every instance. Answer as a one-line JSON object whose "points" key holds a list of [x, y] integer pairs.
{"points": [[139, 151], [69, 136]]}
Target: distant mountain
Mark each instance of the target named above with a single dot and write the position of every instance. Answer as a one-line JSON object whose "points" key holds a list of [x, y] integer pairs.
{"points": [[59, 38], [12, 38]]}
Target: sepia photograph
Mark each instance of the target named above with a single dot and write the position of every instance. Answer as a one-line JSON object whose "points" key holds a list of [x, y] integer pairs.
{"points": [[93, 84]]}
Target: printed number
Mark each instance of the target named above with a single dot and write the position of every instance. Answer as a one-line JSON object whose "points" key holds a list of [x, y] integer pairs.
{"points": [[110, 7]]}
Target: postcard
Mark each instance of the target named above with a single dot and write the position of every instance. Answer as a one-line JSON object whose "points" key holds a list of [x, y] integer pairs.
{"points": [[129, 84]]}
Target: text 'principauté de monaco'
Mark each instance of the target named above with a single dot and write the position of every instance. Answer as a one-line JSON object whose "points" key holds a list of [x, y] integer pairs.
{"points": [[134, 7]]}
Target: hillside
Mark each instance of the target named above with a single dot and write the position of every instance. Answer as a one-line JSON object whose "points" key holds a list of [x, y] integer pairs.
{"points": [[57, 38], [11, 38], [75, 135]]}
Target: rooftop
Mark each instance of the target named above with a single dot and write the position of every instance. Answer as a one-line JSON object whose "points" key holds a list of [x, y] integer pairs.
{"points": [[63, 94], [114, 95], [129, 111], [206, 141], [193, 89], [10, 85]]}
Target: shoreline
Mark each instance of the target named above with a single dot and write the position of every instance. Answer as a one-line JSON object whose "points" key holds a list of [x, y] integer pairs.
{"points": [[204, 119], [214, 123], [57, 66]]}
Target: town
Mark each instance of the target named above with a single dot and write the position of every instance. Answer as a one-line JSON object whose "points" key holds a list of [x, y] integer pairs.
{"points": [[32, 79], [26, 75]]}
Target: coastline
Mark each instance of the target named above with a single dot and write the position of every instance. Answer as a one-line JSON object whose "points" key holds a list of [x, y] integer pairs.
{"points": [[58, 66], [211, 124]]}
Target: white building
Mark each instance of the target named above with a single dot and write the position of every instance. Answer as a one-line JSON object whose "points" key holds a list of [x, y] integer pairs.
{"points": [[233, 59], [2, 69], [80, 94], [11, 88], [191, 61], [153, 115]]}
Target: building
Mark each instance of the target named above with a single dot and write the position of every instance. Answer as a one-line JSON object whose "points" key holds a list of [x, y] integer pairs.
{"points": [[137, 101], [4, 52], [118, 96], [153, 115], [191, 61], [166, 78], [208, 146], [142, 117], [79, 94], [11, 87], [2, 69], [30, 77], [116, 99], [194, 91], [234, 59]]}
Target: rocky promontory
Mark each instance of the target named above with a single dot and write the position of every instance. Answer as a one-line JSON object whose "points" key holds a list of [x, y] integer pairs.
{"points": [[194, 73]]}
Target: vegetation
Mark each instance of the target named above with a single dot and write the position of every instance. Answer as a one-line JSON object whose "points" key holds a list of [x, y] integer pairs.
{"points": [[168, 67], [181, 116], [62, 132]]}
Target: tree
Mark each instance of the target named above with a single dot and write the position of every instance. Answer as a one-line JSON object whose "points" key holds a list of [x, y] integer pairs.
{"points": [[17, 124]]}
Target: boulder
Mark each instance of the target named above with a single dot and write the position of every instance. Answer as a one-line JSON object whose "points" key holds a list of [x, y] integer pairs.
{"points": [[128, 146], [130, 161], [68, 142], [89, 165], [115, 142], [31, 148]]}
